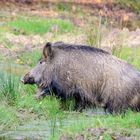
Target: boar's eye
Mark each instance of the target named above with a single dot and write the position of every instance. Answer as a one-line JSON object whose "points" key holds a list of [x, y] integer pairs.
{"points": [[41, 61]]}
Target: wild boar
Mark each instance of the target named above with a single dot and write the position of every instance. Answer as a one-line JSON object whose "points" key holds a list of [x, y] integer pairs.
{"points": [[90, 75]]}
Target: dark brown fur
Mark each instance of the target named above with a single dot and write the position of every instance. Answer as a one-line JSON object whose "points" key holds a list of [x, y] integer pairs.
{"points": [[90, 75]]}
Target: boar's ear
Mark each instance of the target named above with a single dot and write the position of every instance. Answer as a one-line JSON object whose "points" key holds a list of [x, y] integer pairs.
{"points": [[47, 50]]}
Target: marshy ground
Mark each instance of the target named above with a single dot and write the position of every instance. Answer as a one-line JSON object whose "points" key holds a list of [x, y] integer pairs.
{"points": [[24, 29]]}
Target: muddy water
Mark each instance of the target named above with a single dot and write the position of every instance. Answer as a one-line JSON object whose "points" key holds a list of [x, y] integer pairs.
{"points": [[40, 129], [45, 129], [34, 130]]}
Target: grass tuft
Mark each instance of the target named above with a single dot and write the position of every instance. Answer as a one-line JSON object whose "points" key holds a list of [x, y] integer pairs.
{"points": [[93, 33], [8, 118], [9, 87]]}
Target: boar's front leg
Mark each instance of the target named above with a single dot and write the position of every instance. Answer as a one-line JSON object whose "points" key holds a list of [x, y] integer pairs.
{"points": [[39, 94], [42, 93], [79, 104]]}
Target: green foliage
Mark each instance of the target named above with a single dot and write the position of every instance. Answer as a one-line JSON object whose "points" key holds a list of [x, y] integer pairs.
{"points": [[30, 58], [9, 87], [8, 117], [68, 104], [49, 106], [107, 137], [131, 55], [40, 26]]}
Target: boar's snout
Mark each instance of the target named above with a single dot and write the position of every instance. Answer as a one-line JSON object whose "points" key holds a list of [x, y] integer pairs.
{"points": [[27, 79]]}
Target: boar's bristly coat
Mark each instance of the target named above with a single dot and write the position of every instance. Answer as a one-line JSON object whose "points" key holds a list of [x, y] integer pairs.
{"points": [[92, 76]]}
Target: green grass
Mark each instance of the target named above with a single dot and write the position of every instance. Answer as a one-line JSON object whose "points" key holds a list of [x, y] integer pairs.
{"points": [[29, 58], [131, 55], [8, 117], [36, 25], [122, 124], [48, 107], [9, 87]]}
